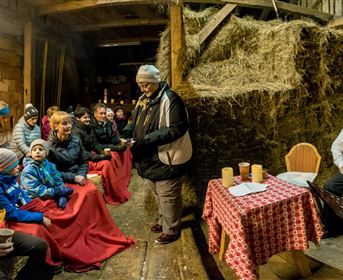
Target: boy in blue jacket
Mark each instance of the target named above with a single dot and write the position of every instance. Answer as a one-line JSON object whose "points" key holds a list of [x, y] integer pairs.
{"points": [[12, 196], [41, 178]]}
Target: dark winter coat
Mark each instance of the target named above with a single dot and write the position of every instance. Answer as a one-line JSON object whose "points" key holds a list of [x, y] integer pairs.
{"points": [[69, 156], [104, 134], [87, 136], [160, 127]]}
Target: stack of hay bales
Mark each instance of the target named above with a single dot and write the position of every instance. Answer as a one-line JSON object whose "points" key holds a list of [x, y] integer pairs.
{"points": [[256, 88]]}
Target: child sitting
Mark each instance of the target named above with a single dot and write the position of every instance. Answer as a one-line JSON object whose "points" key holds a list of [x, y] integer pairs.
{"points": [[12, 196], [41, 178], [45, 128]]}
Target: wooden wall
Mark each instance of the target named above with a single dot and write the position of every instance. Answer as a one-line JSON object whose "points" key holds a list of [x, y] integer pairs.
{"points": [[13, 15]]}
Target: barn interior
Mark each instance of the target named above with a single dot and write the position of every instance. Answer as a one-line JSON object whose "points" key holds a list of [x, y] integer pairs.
{"points": [[263, 77]]}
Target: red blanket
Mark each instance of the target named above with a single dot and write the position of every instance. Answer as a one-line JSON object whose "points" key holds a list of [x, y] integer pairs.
{"points": [[116, 176], [82, 235]]}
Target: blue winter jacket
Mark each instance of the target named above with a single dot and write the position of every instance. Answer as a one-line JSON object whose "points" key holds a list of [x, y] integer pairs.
{"points": [[12, 197], [70, 157], [40, 178]]}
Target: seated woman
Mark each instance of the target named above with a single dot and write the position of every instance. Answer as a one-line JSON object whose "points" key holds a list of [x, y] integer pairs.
{"points": [[25, 131], [41, 178], [114, 180], [83, 234]]}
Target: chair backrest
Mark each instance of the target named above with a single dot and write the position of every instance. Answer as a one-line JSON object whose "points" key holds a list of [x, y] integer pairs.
{"points": [[333, 201], [303, 157]]}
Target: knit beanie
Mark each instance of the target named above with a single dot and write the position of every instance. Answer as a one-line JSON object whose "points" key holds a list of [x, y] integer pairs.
{"points": [[109, 111], [8, 160], [4, 110], [40, 142], [148, 74], [30, 111]]}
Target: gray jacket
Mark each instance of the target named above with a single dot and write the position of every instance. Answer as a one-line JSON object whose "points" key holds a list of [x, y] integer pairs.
{"points": [[22, 136]]}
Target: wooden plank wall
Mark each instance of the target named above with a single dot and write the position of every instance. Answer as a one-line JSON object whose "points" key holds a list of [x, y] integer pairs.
{"points": [[334, 7], [13, 15]]}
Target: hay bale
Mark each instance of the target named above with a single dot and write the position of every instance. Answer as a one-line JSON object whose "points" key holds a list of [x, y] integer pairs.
{"points": [[256, 89]]}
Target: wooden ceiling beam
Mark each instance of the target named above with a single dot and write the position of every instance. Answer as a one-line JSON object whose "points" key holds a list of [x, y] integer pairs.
{"points": [[336, 23], [215, 21], [73, 6], [281, 6], [120, 23]]}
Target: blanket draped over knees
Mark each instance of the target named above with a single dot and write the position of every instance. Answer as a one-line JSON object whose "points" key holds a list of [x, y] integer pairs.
{"points": [[116, 176], [82, 235]]}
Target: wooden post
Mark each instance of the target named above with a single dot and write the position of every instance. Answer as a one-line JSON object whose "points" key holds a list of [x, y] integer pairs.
{"points": [[28, 62], [176, 42], [60, 77], [42, 91]]}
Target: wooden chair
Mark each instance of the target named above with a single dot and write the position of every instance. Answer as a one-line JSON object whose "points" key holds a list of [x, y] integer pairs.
{"points": [[302, 162], [303, 157]]}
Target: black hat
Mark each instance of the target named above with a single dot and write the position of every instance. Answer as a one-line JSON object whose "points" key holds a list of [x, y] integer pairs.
{"points": [[30, 111]]}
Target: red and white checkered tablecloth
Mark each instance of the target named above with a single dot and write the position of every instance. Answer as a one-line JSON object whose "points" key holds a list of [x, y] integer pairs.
{"points": [[260, 225]]}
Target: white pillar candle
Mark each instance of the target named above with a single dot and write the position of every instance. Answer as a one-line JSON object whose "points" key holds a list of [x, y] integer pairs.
{"points": [[227, 176], [256, 172]]}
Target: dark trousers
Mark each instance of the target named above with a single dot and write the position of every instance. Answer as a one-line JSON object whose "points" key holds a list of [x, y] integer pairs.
{"points": [[36, 249], [333, 223]]}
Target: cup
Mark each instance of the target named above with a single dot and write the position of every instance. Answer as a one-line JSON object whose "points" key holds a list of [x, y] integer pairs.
{"points": [[244, 168], [107, 151], [227, 176], [256, 173], [6, 235]]}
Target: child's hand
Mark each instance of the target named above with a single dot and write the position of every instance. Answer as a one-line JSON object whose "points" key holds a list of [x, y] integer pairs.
{"points": [[80, 180], [46, 222], [5, 248]]}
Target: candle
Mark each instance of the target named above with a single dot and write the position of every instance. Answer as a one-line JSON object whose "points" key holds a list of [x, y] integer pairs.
{"points": [[256, 170], [227, 176], [133, 102], [112, 101], [121, 102]]}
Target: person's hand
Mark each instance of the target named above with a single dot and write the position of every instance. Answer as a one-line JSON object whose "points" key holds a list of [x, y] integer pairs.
{"points": [[80, 180], [47, 222], [5, 248], [341, 170]]}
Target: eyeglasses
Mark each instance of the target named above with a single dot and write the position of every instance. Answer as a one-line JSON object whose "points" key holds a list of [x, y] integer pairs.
{"points": [[146, 85]]}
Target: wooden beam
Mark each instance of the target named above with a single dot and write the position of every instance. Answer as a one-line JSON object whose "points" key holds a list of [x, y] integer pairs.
{"points": [[120, 23], [336, 23], [176, 39], [282, 7], [215, 21], [72, 6], [28, 62]]}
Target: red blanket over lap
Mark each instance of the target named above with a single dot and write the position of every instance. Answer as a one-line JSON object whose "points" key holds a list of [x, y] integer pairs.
{"points": [[116, 176], [82, 235]]}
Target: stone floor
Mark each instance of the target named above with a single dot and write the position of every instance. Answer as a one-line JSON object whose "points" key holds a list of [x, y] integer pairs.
{"points": [[185, 259]]}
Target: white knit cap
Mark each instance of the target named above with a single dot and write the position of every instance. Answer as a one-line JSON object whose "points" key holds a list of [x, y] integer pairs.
{"points": [[148, 74]]}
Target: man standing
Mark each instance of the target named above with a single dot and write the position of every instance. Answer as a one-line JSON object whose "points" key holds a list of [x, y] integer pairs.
{"points": [[162, 149]]}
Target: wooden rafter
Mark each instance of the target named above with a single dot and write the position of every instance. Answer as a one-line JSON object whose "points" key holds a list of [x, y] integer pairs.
{"points": [[121, 23], [336, 23], [73, 6], [215, 21], [281, 6]]}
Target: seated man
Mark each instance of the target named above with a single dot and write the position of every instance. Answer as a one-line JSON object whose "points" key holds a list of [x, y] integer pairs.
{"points": [[334, 224], [103, 130], [26, 245]]}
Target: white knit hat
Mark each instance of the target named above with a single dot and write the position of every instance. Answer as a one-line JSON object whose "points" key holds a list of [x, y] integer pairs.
{"points": [[148, 74]]}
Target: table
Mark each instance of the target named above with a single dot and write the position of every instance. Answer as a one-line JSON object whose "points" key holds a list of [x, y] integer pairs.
{"points": [[283, 218]]}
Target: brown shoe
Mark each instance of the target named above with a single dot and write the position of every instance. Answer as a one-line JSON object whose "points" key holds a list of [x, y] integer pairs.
{"points": [[165, 238], [156, 228]]}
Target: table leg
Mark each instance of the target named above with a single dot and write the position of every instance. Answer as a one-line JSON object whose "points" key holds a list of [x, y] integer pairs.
{"points": [[302, 263], [222, 245]]}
